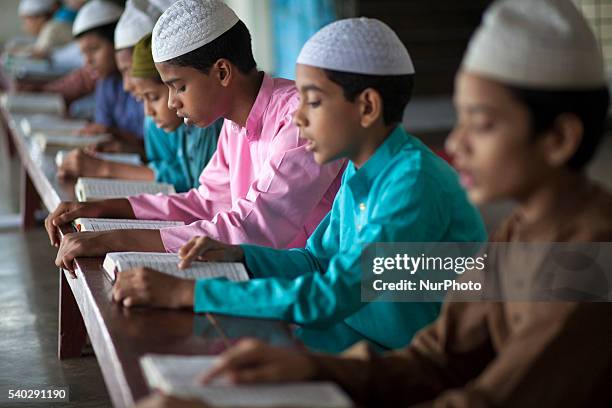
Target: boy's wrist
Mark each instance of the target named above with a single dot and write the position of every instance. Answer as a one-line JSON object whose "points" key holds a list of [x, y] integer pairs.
{"points": [[243, 261], [237, 254], [186, 293], [138, 240], [112, 241], [116, 208], [106, 170]]}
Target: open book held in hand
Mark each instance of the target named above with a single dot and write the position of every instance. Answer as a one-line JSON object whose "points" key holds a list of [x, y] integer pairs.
{"points": [[90, 188], [116, 262], [178, 375], [108, 224]]}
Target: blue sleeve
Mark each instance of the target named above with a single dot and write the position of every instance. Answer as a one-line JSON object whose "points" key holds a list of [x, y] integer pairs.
{"points": [[318, 297], [265, 262], [134, 117], [209, 141], [199, 146], [161, 151], [104, 104]]}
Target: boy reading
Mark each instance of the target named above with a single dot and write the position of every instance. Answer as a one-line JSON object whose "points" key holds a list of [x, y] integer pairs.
{"points": [[355, 78], [532, 99], [261, 186]]}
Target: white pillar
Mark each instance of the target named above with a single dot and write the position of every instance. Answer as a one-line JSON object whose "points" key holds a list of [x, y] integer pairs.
{"points": [[257, 17]]}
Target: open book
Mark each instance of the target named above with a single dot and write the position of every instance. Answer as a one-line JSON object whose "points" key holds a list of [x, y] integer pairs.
{"points": [[26, 102], [107, 224], [178, 375], [50, 124], [36, 69], [52, 140], [21, 64], [89, 188], [116, 262], [125, 158]]}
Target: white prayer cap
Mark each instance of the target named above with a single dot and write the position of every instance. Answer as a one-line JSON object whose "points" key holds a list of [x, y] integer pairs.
{"points": [[96, 13], [357, 45], [161, 5], [134, 24], [138, 20], [188, 25], [36, 7], [543, 44]]}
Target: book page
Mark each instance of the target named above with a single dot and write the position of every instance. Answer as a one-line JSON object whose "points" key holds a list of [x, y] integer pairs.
{"points": [[95, 188], [50, 124], [125, 158], [48, 140], [168, 263], [166, 371], [179, 375], [34, 103], [107, 224]]}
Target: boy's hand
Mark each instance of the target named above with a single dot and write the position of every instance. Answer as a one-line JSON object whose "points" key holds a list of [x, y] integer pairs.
{"points": [[165, 401], [86, 244], [93, 129], [207, 249], [109, 146], [252, 361], [146, 287], [67, 212], [78, 163], [24, 86]]}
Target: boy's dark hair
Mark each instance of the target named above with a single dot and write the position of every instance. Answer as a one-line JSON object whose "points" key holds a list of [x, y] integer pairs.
{"points": [[47, 15], [233, 45], [590, 106], [106, 32], [395, 90]]}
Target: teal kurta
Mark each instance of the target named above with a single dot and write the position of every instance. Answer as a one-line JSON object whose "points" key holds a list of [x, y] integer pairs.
{"points": [[179, 157], [403, 193]]}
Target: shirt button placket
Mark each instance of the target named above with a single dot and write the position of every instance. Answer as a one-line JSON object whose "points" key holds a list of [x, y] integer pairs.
{"points": [[361, 216]]}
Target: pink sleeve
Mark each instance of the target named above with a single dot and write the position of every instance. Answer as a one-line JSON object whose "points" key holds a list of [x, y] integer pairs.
{"points": [[278, 203], [212, 196]]}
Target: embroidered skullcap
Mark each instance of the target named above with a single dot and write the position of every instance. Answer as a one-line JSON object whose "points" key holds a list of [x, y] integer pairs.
{"points": [[96, 13], [36, 7], [357, 45], [544, 44], [188, 25]]}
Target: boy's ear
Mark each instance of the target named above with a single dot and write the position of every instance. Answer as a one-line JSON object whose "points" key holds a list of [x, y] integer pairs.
{"points": [[563, 139], [224, 71], [370, 107]]}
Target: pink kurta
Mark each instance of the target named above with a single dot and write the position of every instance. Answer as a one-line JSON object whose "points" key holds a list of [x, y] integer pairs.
{"points": [[260, 187]]}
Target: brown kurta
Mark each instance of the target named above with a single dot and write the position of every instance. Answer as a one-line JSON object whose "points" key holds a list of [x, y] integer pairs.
{"points": [[511, 354]]}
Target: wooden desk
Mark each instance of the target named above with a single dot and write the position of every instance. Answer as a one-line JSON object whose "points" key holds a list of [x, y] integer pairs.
{"points": [[38, 169], [119, 336]]}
